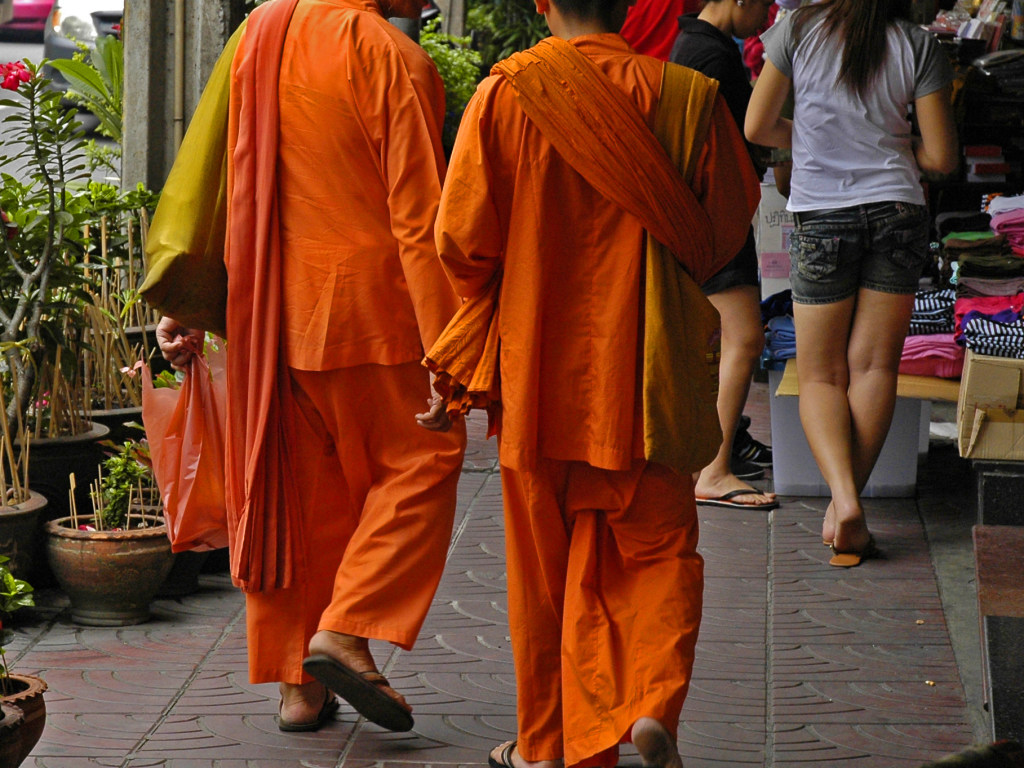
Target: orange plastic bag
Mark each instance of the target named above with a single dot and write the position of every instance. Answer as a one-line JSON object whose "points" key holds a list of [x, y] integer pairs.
{"points": [[185, 430]]}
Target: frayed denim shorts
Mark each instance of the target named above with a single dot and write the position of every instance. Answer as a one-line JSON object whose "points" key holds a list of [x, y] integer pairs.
{"points": [[835, 252]]}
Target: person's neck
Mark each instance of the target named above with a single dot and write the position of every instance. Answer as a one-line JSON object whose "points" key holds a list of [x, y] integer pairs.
{"points": [[717, 15], [568, 27]]}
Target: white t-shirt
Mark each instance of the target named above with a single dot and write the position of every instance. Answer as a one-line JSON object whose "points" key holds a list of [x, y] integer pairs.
{"points": [[848, 150]]}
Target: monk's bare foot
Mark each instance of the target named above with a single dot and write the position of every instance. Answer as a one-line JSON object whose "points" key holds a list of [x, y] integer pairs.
{"points": [[715, 485], [655, 744], [301, 703], [354, 653], [504, 757]]}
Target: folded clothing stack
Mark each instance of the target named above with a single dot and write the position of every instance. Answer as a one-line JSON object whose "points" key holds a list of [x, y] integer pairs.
{"points": [[1008, 220], [780, 334]]}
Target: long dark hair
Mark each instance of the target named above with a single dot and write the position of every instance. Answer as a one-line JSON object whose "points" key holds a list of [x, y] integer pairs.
{"points": [[861, 26]]}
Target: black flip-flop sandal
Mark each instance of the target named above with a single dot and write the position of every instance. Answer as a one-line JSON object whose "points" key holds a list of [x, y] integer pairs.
{"points": [[505, 757], [362, 690]]}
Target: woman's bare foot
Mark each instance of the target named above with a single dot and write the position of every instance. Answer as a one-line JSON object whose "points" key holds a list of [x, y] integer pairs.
{"points": [[354, 653], [301, 703], [828, 525], [503, 757], [851, 530], [714, 485], [655, 744]]}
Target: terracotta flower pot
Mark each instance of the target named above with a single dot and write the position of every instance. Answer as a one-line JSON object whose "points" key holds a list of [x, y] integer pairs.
{"points": [[11, 722], [110, 577], [52, 459], [21, 536], [116, 420], [27, 695]]}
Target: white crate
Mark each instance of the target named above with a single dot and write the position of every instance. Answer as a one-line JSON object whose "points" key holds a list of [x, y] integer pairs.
{"points": [[795, 473]]}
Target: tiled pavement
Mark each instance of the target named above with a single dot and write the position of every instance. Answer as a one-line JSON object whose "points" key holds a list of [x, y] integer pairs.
{"points": [[798, 664]]}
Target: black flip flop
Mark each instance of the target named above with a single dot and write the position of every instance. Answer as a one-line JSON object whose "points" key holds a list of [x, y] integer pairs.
{"points": [[324, 716], [360, 689], [506, 757], [726, 500]]}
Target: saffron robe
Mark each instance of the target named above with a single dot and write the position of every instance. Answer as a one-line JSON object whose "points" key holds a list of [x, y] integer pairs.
{"points": [[569, 324], [604, 577], [335, 167]]}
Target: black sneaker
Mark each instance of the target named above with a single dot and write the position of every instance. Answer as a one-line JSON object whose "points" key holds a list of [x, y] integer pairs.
{"points": [[746, 470], [746, 448]]}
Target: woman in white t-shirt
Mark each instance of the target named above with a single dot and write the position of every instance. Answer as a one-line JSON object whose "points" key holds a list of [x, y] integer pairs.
{"points": [[857, 68]]}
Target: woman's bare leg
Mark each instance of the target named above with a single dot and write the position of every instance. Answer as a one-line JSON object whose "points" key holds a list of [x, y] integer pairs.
{"points": [[822, 337], [876, 344]]}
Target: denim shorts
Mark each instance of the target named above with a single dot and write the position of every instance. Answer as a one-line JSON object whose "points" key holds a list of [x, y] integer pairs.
{"points": [[835, 252], [742, 270]]}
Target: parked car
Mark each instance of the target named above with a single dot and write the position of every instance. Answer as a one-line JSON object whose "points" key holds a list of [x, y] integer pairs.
{"points": [[78, 21], [29, 16]]}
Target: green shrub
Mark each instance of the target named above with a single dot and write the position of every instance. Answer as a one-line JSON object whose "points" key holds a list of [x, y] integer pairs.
{"points": [[459, 66]]}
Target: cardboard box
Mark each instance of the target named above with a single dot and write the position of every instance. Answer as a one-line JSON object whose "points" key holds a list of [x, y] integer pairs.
{"points": [[990, 411], [772, 230]]}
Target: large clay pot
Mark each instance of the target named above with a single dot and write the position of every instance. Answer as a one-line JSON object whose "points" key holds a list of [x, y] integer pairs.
{"points": [[116, 420], [26, 693], [21, 536], [52, 459], [11, 722], [110, 577], [183, 578]]}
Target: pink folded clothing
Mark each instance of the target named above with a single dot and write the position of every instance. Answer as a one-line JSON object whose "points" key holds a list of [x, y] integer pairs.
{"points": [[1010, 221], [935, 354]]}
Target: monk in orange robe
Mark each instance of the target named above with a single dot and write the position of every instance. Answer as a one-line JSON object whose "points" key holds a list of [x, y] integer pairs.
{"points": [[340, 507], [604, 578]]}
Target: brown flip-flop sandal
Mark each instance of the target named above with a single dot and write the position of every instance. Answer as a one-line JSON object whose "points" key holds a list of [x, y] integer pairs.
{"points": [[323, 717], [853, 559], [363, 690]]}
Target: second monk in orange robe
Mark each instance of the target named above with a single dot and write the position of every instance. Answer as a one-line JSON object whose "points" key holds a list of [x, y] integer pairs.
{"points": [[604, 578], [340, 506]]}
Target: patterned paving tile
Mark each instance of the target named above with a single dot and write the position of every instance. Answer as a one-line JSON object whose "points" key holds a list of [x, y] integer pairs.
{"points": [[881, 662], [865, 746], [832, 625], [729, 592], [873, 593], [706, 743], [867, 702]]}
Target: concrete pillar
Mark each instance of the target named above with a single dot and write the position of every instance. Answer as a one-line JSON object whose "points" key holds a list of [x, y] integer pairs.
{"points": [[150, 52], [453, 16]]}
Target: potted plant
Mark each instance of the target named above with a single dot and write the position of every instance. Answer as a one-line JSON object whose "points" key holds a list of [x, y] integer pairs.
{"points": [[20, 691], [20, 507], [46, 206], [112, 562], [121, 327]]}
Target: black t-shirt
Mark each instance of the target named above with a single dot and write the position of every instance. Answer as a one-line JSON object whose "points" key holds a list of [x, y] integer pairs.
{"points": [[705, 48]]}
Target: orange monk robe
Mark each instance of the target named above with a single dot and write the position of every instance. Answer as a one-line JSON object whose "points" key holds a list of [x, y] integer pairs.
{"points": [[604, 577], [571, 289], [359, 169]]}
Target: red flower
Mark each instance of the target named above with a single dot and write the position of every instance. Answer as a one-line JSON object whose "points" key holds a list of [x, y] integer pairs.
{"points": [[13, 74], [11, 230]]}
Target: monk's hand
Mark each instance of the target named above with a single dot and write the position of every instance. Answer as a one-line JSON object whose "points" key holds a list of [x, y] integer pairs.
{"points": [[177, 343], [436, 418]]}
